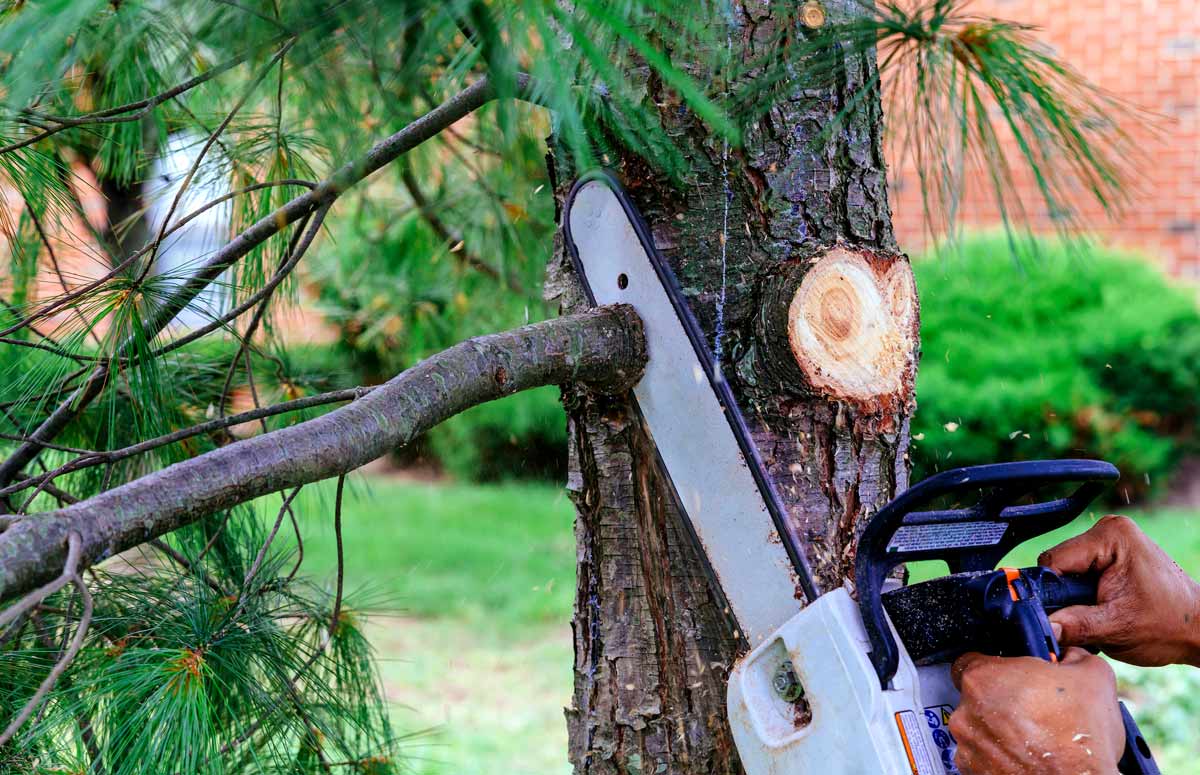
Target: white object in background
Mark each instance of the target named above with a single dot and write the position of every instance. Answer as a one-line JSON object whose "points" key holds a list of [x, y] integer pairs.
{"points": [[186, 249], [856, 727]]}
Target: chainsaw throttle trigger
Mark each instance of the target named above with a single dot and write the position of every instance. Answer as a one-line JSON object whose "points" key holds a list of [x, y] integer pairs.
{"points": [[941, 619], [1016, 598], [969, 538], [1003, 613]]}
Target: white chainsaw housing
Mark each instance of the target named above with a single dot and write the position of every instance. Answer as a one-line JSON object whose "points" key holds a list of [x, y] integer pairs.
{"points": [[856, 727]]}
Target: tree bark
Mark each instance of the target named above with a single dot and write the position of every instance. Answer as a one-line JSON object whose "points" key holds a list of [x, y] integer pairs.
{"points": [[785, 251], [602, 348]]}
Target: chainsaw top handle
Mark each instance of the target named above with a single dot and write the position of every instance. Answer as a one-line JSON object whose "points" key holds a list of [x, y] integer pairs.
{"points": [[969, 538]]}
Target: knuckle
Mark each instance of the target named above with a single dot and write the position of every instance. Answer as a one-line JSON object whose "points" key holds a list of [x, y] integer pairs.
{"points": [[975, 682], [960, 727], [1118, 524]]}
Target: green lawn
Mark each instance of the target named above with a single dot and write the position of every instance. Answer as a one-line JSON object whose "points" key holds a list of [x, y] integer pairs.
{"points": [[472, 586], [500, 555]]}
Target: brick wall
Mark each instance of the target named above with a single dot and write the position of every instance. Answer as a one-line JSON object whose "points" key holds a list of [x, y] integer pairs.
{"points": [[1148, 53]]}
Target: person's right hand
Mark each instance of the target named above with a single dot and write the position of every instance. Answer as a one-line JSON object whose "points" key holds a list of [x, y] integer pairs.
{"points": [[1147, 609]]}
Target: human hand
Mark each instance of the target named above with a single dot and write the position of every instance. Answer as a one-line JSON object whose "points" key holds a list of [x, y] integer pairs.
{"points": [[1020, 715], [1147, 609]]}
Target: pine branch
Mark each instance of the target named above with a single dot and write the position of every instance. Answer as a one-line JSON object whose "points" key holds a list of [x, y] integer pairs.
{"points": [[91, 458], [72, 569], [603, 348], [383, 153]]}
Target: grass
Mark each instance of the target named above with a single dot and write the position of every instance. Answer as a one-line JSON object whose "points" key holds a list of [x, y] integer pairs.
{"points": [[502, 556], [472, 588], [473, 585]]}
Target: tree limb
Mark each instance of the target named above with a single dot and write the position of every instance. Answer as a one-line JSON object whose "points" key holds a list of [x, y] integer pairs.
{"points": [[381, 154], [602, 347]]}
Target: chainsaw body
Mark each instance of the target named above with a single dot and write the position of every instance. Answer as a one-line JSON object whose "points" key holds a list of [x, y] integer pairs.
{"points": [[879, 667], [845, 722]]}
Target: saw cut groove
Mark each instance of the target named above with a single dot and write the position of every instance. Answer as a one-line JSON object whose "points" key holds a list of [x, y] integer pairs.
{"points": [[852, 326]]}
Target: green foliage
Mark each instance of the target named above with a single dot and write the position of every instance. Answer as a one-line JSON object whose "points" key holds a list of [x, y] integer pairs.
{"points": [[1066, 354], [957, 86], [1166, 703], [235, 669], [418, 296]]}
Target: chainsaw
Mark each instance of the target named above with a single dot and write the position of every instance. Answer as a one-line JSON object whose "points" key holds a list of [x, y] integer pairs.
{"points": [[834, 684]]}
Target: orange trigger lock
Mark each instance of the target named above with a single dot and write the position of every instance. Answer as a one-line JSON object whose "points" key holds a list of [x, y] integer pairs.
{"points": [[1012, 574]]}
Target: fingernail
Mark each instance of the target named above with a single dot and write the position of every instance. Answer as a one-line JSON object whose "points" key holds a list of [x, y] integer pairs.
{"points": [[1056, 628]]}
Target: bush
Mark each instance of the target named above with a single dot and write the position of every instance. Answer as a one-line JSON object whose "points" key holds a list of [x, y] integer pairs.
{"points": [[1060, 352], [523, 436]]}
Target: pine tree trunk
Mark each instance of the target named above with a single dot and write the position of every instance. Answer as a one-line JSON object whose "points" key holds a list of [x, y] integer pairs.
{"points": [[812, 314]]}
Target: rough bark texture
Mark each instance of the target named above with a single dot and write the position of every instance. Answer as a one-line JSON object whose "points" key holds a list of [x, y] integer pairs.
{"points": [[602, 348], [652, 648]]}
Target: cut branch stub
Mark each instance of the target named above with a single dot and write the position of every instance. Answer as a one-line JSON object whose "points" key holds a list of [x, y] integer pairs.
{"points": [[848, 320]]}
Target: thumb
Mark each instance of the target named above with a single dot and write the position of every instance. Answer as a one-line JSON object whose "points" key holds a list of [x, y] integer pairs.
{"points": [[1082, 625]]}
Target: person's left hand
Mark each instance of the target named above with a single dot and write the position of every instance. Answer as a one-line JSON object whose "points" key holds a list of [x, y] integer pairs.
{"points": [[1021, 714]]}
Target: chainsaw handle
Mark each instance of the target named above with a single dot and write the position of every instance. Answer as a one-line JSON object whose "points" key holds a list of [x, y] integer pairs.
{"points": [[1038, 587], [1002, 484], [1058, 591], [1137, 758]]}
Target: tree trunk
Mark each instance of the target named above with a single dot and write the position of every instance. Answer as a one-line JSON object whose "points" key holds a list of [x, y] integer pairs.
{"points": [[785, 250], [126, 229]]}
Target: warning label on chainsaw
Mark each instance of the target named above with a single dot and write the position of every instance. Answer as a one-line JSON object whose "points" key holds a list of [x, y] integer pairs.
{"points": [[938, 719], [912, 732], [919, 538]]}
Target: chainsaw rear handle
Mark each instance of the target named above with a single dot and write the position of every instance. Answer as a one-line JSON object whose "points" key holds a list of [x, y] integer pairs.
{"points": [[1020, 599], [972, 538], [1137, 759], [1017, 600]]}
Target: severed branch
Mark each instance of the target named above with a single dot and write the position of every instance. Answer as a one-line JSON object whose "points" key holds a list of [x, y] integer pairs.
{"points": [[91, 458], [383, 153], [603, 347]]}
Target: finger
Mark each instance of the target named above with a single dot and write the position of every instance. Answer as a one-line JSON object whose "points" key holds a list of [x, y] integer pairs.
{"points": [[1085, 625], [965, 663], [1092, 551], [1076, 655]]}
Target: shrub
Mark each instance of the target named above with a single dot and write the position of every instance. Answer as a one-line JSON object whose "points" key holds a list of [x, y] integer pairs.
{"points": [[1060, 352], [523, 436]]}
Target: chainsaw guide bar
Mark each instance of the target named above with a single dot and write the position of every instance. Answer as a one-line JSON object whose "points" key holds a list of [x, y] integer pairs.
{"points": [[702, 440]]}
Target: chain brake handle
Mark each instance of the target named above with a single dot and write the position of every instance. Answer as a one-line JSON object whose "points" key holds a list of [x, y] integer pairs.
{"points": [[1002, 485]]}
